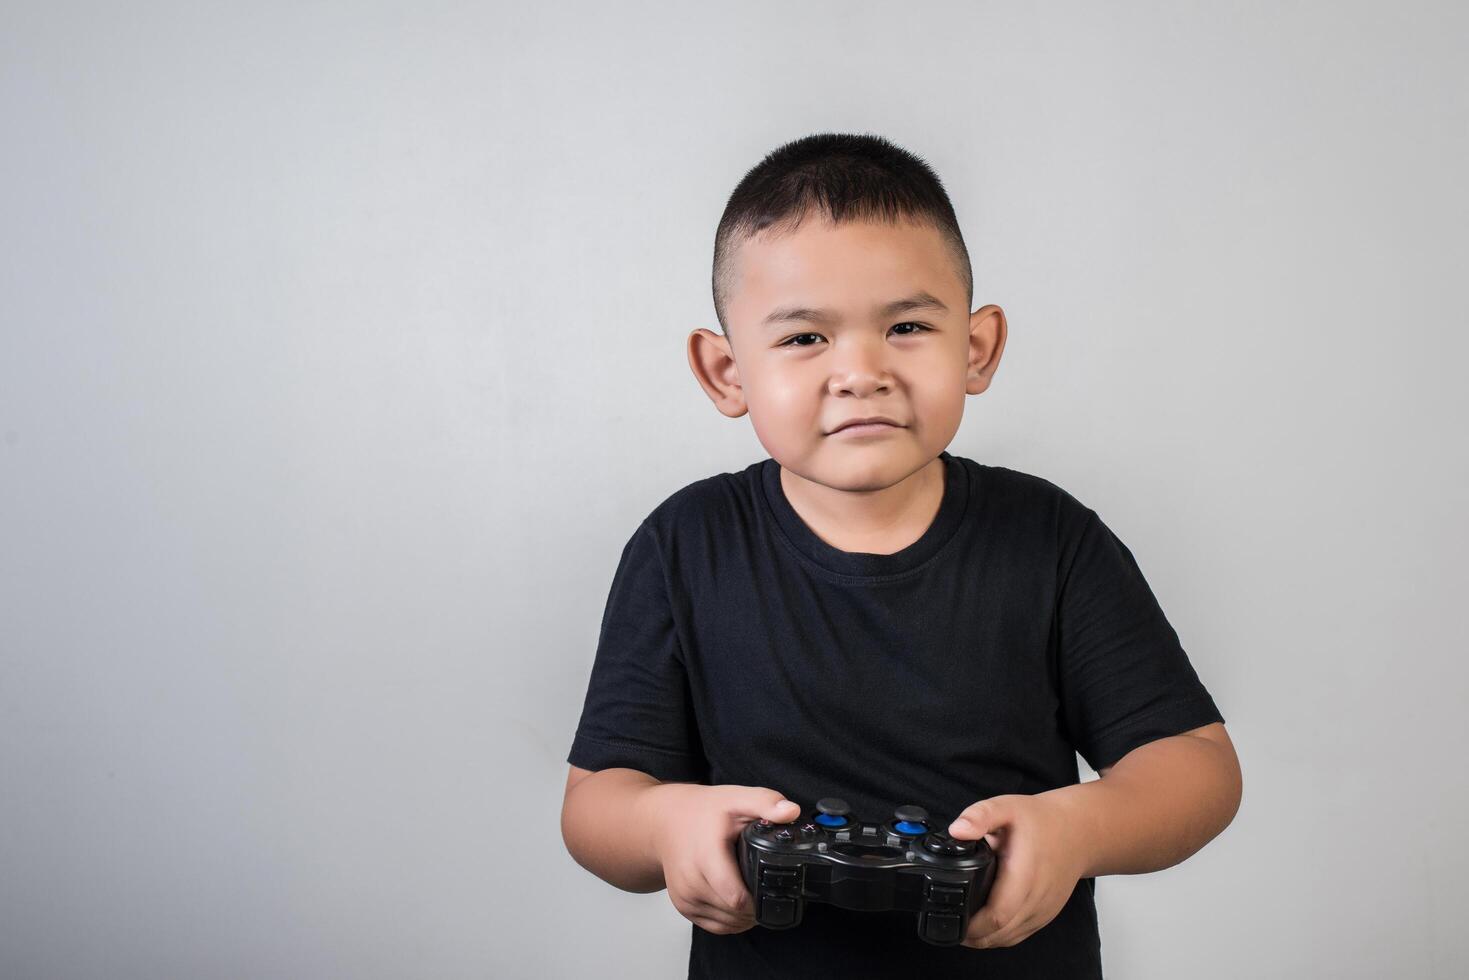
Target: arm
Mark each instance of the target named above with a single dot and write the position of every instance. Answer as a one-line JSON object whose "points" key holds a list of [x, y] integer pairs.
{"points": [[613, 824], [1158, 804], [607, 829]]}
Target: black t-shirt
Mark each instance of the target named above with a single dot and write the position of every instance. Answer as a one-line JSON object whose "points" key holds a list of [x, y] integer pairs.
{"points": [[739, 647]]}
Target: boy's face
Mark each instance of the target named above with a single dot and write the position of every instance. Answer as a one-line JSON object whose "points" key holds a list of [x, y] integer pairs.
{"points": [[814, 342]]}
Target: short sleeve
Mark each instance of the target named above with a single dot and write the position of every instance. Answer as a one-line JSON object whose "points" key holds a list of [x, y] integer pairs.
{"points": [[1125, 679], [638, 711]]}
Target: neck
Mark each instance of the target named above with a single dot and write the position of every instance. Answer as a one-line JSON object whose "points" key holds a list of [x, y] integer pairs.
{"points": [[881, 520]]}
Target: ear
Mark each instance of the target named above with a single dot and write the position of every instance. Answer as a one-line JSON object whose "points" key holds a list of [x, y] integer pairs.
{"points": [[986, 344], [713, 364]]}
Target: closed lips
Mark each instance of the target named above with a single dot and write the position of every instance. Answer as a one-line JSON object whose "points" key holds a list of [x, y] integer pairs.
{"points": [[876, 419]]}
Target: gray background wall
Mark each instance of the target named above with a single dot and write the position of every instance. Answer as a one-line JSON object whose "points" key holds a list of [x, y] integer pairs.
{"points": [[343, 349]]}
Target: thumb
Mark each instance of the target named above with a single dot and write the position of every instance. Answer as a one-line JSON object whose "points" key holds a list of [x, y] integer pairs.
{"points": [[981, 818], [757, 802]]}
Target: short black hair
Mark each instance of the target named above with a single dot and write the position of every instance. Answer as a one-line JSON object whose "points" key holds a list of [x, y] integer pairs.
{"points": [[847, 177]]}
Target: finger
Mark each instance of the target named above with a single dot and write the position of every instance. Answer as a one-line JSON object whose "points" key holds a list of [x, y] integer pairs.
{"points": [[684, 894], [717, 919], [692, 897], [986, 925], [782, 811], [708, 915], [726, 900], [1034, 913], [757, 802], [1010, 928], [982, 818], [1015, 932], [1005, 902], [726, 884], [718, 926]]}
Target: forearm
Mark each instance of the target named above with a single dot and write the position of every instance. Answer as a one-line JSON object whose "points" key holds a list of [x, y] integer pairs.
{"points": [[609, 830], [1157, 806]]}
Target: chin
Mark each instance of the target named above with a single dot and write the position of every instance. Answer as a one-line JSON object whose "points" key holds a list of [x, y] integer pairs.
{"points": [[866, 468]]}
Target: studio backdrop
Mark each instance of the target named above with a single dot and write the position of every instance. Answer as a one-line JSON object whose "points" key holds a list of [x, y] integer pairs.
{"points": [[342, 349]]}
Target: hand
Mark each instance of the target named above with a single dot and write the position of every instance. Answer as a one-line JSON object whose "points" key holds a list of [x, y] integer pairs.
{"points": [[697, 826], [1041, 857]]}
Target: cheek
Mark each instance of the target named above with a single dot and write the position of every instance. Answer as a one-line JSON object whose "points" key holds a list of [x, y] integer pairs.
{"points": [[940, 402], [783, 395], [783, 408]]}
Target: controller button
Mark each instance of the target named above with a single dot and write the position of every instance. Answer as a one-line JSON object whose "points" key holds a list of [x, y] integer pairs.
{"points": [[914, 829], [808, 828], [911, 814], [945, 895], [779, 878], [831, 820], [784, 834], [943, 927], [778, 911], [833, 806]]}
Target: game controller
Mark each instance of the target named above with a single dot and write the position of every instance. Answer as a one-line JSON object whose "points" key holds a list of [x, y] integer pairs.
{"points": [[831, 856]]}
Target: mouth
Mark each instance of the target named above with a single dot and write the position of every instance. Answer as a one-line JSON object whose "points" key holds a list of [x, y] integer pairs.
{"points": [[871, 426]]}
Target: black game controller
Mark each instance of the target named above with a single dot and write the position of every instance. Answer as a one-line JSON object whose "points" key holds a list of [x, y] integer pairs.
{"points": [[830, 856]]}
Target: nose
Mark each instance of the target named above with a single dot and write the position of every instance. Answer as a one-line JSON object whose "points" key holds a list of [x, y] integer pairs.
{"points": [[860, 368]]}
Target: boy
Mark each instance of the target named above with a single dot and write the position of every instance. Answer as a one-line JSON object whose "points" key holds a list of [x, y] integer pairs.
{"points": [[866, 616]]}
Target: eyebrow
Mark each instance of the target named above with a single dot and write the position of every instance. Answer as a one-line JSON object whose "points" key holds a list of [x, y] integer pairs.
{"points": [[918, 301]]}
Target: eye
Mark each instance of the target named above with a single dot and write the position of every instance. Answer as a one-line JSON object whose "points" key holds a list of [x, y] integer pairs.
{"points": [[920, 326], [791, 342]]}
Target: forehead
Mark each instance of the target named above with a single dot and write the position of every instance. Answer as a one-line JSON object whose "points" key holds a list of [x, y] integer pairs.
{"points": [[845, 265]]}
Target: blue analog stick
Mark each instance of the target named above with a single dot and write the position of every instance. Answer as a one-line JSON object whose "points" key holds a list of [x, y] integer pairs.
{"points": [[910, 820], [833, 812]]}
